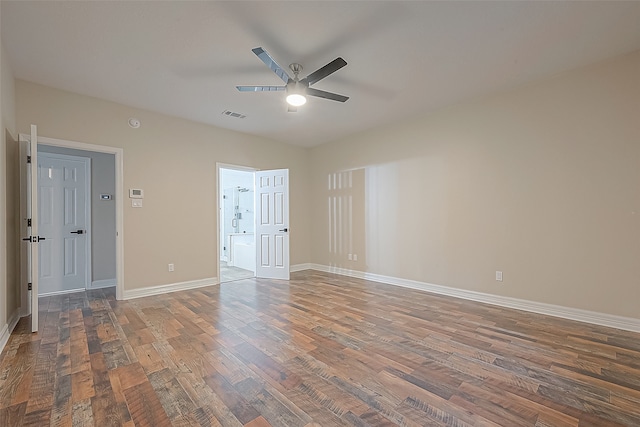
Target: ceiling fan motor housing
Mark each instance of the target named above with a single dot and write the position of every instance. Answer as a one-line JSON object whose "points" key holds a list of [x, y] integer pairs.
{"points": [[296, 86]]}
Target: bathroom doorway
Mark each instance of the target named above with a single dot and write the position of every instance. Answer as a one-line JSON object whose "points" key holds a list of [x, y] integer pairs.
{"points": [[237, 224]]}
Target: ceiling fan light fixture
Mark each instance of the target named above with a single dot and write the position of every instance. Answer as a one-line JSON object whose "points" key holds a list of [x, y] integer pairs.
{"points": [[296, 99], [297, 90]]}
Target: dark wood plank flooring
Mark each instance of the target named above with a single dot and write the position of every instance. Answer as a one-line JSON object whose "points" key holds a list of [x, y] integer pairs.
{"points": [[319, 350]]}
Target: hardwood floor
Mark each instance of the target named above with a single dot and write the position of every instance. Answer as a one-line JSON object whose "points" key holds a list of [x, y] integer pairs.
{"points": [[320, 350]]}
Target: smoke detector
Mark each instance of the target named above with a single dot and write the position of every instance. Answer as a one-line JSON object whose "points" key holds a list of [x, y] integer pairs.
{"points": [[134, 123]]}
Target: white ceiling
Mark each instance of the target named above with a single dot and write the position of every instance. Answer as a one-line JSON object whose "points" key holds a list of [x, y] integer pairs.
{"points": [[404, 58]]}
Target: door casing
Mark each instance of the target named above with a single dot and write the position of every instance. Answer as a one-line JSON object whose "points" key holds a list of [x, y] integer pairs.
{"points": [[219, 234], [118, 197]]}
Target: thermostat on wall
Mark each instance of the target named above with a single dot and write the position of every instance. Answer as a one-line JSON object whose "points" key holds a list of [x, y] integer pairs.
{"points": [[136, 193]]}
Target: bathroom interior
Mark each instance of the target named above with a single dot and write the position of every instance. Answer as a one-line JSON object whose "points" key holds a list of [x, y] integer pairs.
{"points": [[237, 242]]}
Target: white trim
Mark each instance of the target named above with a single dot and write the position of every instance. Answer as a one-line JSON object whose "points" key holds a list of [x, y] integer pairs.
{"points": [[119, 163], [104, 283], [24, 311], [66, 291], [7, 329], [301, 267], [593, 317], [173, 287], [25, 301], [220, 165]]}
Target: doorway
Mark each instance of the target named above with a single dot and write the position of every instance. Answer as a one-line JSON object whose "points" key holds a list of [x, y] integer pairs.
{"points": [[237, 224], [97, 233], [29, 146], [253, 223]]}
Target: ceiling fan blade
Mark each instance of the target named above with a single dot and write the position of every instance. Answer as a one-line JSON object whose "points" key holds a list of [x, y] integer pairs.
{"points": [[323, 72], [326, 95], [271, 63], [261, 88]]}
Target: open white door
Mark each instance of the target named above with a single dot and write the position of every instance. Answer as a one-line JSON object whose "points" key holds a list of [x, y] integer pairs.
{"points": [[272, 224], [32, 225]]}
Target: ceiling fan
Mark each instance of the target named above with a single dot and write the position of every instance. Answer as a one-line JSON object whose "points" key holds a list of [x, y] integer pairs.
{"points": [[297, 89]]}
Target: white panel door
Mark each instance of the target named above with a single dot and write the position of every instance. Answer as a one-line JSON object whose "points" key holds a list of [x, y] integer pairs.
{"points": [[32, 226], [272, 224], [63, 216]]}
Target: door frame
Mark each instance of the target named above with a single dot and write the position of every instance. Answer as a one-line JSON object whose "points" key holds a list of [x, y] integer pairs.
{"points": [[118, 196], [87, 211], [218, 207]]}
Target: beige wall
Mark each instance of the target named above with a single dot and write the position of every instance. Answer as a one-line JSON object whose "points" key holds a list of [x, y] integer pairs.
{"points": [[13, 232], [541, 182], [174, 162], [9, 207]]}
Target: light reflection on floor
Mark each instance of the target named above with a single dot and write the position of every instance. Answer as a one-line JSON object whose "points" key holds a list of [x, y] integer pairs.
{"points": [[230, 273]]}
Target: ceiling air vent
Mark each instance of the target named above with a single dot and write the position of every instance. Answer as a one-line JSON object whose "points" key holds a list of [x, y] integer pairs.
{"points": [[233, 114]]}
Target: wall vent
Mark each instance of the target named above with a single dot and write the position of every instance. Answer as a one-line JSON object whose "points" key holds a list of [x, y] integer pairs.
{"points": [[233, 114]]}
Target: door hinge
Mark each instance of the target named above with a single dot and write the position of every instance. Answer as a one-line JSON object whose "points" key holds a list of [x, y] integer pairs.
{"points": [[28, 222], [28, 159], [29, 287]]}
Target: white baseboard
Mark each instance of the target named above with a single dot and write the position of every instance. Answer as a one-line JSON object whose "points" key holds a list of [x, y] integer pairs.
{"points": [[105, 283], [300, 267], [5, 333], [593, 317], [24, 311], [68, 291], [173, 287]]}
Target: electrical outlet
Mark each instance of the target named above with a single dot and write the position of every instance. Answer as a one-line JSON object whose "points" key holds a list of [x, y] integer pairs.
{"points": [[171, 267], [499, 276], [355, 257], [349, 257]]}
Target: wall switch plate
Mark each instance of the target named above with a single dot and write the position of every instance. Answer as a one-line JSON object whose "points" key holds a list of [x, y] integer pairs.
{"points": [[171, 267], [349, 257], [499, 276], [355, 257], [136, 203]]}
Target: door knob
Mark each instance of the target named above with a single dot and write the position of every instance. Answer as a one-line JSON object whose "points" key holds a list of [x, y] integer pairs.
{"points": [[78, 232], [284, 229], [34, 239]]}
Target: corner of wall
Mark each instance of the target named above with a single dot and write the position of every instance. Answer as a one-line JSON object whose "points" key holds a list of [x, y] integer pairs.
{"points": [[7, 329]]}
